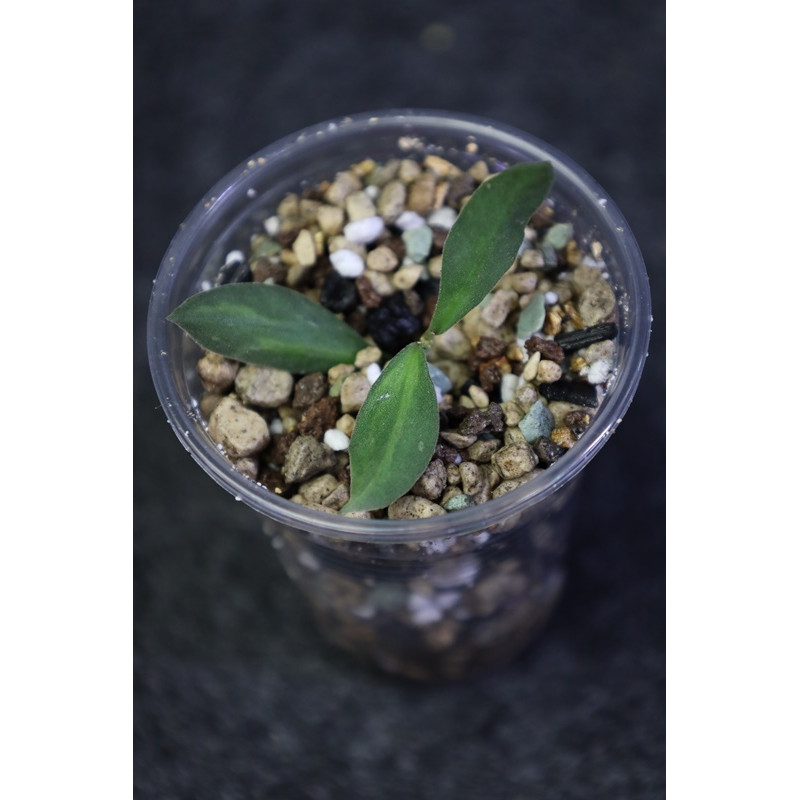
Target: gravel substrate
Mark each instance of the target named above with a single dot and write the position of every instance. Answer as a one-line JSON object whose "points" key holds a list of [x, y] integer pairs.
{"points": [[518, 379]]}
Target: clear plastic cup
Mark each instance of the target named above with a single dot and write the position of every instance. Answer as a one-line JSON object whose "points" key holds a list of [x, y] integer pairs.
{"points": [[441, 598]]}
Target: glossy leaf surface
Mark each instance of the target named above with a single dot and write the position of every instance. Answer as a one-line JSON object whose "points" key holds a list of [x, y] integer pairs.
{"points": [[268, 325], [395, 432], [486, 237]]}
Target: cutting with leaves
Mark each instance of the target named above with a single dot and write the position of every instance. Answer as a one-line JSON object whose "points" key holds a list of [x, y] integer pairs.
{"points": [[397, 427]]}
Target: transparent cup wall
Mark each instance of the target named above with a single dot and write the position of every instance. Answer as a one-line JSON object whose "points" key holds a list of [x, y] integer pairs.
{"points": [[440, 598], [445, 608]]}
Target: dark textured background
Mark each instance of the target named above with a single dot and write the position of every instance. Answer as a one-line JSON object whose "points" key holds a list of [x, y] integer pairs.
{"points": [[235, 696]]}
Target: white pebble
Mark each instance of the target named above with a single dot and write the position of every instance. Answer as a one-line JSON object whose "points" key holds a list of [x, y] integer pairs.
{"points": [[445, 600], [550, 298], [409, 220], [372, 372], [347, 263], [308, 560], [598, 371], [423, 610], [272, 225], [364, 231], [508, 385], [372, 191], [276, 426], [365, 610], [233, 257], [443, 217], [336, 439]]}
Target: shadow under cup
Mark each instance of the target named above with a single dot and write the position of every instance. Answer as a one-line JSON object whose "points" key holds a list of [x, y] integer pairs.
{"points": [[441, 598]]}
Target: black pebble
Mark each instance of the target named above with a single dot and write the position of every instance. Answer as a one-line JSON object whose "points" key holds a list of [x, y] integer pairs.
{"points": [[548, 451], [575, 340], [577, 392], [392, 324], [338, 294]]}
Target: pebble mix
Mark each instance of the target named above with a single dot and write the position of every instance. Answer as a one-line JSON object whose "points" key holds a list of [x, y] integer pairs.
{"points": [[518, 382], [515, 380]]}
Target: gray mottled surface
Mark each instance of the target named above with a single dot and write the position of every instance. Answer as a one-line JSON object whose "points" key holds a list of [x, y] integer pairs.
{"points": [[235, 696]]}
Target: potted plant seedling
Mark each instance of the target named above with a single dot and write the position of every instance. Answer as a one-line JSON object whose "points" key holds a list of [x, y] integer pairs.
{"points": [[415, 339]]}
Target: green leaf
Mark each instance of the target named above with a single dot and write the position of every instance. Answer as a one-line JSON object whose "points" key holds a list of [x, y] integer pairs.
{"points": [[269, 325], [485, 238], [395, 433]]}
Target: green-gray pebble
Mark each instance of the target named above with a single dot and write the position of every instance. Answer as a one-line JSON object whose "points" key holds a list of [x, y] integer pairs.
{"points": [[457, 503], [439, 378], [418, 243], [559, 235], [531, 317], [537, 422]]}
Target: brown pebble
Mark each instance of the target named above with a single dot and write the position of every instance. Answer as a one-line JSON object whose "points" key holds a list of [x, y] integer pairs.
{"points": [[478, 420], [264, 269], [216, 372], [552, 321], [307, 457], [547, 347], [489, 347], [208, 402], [272, 480], [577, 422], [432, 481], [247, 466], [279, 447], [391, 200], [514, 460], [548, 372], [563, 437], [473, 479], [355, 389], [265, 387], [596, 303], [309, 389], [413, 507], [458, 438], [507, 486], [382, 259], [422, 194], [439, 237], [543, 216], [241, 431], [461, 186], [319, 417], [317, 489], [449, 455], [286, 237], [483, 450], [490, 373], [338, 497]]}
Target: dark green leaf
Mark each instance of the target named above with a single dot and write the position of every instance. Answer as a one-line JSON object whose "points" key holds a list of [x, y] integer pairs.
{"points": [[485, 238], [395, 433], [272, 326]]}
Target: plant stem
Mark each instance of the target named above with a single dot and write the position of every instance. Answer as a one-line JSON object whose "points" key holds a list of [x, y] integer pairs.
{"points": [[426, 340]]}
